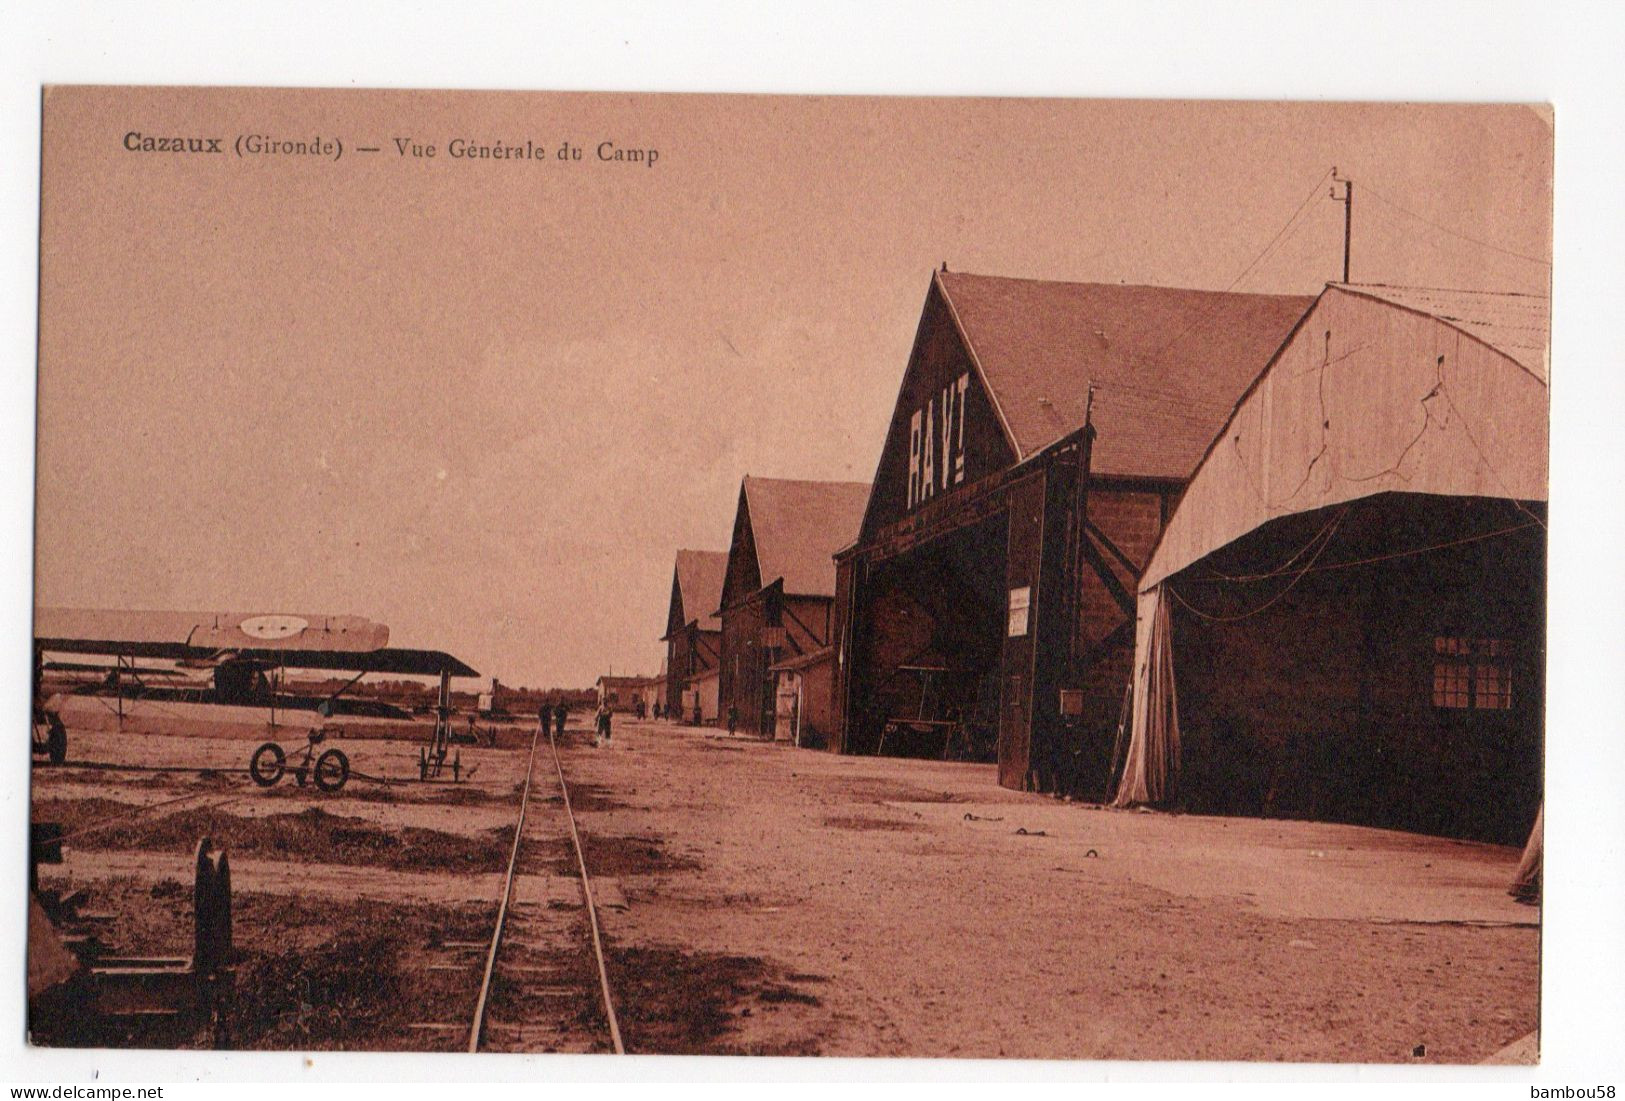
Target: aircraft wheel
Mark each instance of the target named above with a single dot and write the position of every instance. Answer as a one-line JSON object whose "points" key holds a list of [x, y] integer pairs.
{"points": [[267, 764], [56, 739], [332, 770]]}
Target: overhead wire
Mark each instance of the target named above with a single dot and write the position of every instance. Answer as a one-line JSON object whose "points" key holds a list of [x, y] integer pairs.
{"points": [[1198, 408], [1375, 558], [1173, 397], [1467, 431], [1277, 570], [1299, 576], [1381, 198], [1280, 236]]}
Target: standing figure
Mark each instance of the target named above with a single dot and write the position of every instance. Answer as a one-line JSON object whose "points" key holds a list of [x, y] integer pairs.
{"points": [[603, 723], [559, 712], [544, 716]]}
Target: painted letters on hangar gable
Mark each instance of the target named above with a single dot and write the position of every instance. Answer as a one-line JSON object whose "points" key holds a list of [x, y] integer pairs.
{"points": [[944, 432], [936, 442]]}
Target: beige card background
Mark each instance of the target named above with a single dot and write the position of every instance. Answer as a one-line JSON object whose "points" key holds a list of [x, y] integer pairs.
{"points": [[1369, 51]]}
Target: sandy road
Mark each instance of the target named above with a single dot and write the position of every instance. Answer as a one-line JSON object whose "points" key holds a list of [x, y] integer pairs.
{"points": [[766, 899], [923, 924]]}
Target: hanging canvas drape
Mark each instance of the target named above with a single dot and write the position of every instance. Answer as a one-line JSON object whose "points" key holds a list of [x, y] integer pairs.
{"points": [[1526, 881], [1152, 767]]}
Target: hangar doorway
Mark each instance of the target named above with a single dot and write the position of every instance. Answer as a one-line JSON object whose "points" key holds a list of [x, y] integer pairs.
{"points": [[1391, 676], [929, 654]]}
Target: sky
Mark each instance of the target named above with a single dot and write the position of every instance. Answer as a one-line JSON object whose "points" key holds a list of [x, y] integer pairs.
{"points": [[485, 401]]}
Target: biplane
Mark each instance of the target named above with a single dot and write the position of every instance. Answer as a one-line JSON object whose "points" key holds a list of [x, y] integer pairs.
{"points": [[229, 659]]}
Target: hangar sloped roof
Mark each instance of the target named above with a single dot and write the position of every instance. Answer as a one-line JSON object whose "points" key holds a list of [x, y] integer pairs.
{"points": [[798, 526], [1168, 363], [1519, 326], [1372, 396], [699, 584]]}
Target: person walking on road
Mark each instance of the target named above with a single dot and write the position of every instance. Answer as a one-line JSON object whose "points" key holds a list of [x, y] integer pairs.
{"points": [[544, 717], [559, 712], [603, 723]]}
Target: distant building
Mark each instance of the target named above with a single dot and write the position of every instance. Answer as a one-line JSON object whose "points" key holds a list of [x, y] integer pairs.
{"points": [[694, 633], [649, 691], [492, 702], [779, 588], [703, 695], [622, 693]]}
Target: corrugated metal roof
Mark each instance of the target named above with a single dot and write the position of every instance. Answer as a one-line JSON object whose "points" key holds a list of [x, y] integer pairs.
{"points": [[1168, 364], [798, 526], [1519, 326], [699, 582]]}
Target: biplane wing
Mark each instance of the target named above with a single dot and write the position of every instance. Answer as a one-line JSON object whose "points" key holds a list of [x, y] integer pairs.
{"points": [[243, 653], [327, 642]]}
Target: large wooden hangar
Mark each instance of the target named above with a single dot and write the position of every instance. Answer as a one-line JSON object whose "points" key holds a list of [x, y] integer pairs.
{"points": [[1305, 490], [1041, 437], [778, 592], [693, 635]]}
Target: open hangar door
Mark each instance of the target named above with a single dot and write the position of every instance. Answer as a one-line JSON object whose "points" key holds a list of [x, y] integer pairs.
{"points": [[1379, 662], [930, 646]]}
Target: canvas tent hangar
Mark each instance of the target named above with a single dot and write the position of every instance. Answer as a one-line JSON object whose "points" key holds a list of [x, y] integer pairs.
{"points": [[1345, 615]]}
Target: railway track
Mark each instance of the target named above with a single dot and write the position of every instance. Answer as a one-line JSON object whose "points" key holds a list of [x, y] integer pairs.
{"points": [[545, 986]]}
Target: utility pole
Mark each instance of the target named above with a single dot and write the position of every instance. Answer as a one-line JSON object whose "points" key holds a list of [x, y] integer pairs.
{"points": [[1080, 513], [1347, 199]]}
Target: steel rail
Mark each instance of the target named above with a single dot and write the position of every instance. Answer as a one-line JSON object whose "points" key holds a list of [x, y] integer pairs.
{"points": [[592, 909], [478, 1027]]}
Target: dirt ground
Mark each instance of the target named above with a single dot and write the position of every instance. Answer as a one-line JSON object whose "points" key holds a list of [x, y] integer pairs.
{"points": [[756, 898]]}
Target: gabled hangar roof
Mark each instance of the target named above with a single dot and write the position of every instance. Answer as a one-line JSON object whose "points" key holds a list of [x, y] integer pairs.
{"points": [[699, 578], [1168, 364], [798, 526]]}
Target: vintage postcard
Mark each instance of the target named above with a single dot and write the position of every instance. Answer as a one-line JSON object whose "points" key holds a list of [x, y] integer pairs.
{"points": [[815, 576]]}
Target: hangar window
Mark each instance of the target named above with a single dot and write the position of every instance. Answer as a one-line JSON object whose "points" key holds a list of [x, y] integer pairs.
{"points": [[1472, 673], [1020, 601]]}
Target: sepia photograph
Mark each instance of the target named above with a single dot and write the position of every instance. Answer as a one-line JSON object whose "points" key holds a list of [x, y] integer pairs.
{"points": [[925, 577], [790, 575]]}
